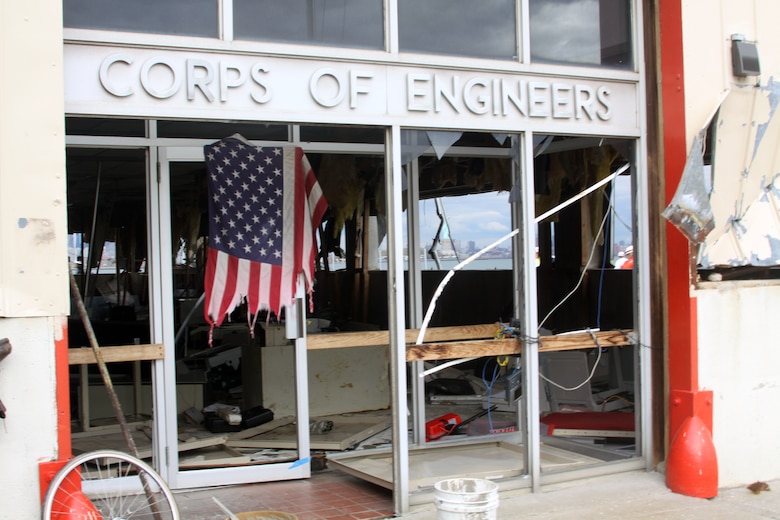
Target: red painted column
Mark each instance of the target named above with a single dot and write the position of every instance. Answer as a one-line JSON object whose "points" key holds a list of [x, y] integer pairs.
{"points": [[691, 461], [47, 470]]}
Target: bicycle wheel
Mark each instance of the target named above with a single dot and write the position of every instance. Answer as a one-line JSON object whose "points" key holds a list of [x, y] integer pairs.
{"points": [[108, 485]]}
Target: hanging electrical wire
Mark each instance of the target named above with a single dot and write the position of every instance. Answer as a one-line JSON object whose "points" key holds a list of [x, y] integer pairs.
{"points": [[592, 372], [582, 274], [432, 305]]}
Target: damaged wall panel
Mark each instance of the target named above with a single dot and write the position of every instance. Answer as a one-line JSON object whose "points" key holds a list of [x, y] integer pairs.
{"points": [[745, 194]]}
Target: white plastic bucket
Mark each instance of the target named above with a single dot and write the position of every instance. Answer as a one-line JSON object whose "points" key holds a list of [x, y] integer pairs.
{"points": [[466, 499]]}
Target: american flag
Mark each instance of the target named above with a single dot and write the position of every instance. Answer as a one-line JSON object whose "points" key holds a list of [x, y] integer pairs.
{"points": [[264, 207]]}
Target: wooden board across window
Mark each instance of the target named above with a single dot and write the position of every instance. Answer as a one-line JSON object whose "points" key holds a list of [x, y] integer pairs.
{"points": [[147, 352], [468, 341]]}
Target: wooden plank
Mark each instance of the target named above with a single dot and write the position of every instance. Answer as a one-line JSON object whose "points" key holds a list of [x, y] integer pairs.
{"points": [[86, 356], [502, 347], [354, 440], [233, 452], [276, 444], [466, 341], [218, 456], [458, 333], [463, 349], [346, 433], [262, 428], [382, 337], [205, 442], [580, 340]]}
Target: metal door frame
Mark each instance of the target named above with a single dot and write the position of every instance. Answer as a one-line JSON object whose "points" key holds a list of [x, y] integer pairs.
{"points": [[165, 447]]}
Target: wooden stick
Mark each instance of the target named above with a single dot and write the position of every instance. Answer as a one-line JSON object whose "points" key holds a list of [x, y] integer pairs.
{"points": [[120, 416]]}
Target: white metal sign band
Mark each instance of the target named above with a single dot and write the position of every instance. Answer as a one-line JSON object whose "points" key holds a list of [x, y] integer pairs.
{"points": [[102, 80]]}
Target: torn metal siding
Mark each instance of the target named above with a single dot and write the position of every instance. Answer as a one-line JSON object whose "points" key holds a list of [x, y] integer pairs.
{"points": [[690, 209], [745, 195]]}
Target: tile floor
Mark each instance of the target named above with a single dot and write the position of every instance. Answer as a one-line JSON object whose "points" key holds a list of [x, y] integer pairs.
{"points": [[328, 494]]}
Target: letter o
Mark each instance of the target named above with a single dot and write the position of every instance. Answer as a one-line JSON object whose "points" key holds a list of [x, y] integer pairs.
{"points": [[146, 82], [314, 88]]}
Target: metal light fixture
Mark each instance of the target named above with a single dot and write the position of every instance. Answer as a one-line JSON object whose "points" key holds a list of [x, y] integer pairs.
{"points": [[744, 57]]}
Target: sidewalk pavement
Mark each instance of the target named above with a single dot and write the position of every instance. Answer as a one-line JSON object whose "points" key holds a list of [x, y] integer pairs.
{"points": [[634, 495]]}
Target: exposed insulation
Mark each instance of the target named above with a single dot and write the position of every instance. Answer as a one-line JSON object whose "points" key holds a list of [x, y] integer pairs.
{"points": [[342, 186], [185, 226], [580, 169]]}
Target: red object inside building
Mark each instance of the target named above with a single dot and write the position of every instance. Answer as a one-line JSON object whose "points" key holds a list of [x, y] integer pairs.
{"points": [[441, 426], [603, 421]]}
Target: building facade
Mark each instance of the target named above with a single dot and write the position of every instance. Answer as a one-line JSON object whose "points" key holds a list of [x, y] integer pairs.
{"points": [[396, 105]]}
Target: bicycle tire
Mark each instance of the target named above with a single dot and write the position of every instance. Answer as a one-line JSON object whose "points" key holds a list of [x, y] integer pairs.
{"points": [[109, 483]]}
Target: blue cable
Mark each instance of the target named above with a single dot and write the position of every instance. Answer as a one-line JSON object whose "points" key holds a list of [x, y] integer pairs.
{"points": [[601, 286], [489, 387]]}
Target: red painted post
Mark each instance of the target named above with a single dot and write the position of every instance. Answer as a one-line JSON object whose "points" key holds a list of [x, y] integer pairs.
{"points": [[690, 409], [47, 470]]}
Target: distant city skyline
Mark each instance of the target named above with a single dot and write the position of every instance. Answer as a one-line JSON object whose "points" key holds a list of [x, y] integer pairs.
{"points": [[484, 218]]}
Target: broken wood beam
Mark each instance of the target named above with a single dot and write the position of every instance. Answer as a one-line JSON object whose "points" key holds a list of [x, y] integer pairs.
{"points": [[510, 346], [463, 349], [581, 340], [467, 341]]}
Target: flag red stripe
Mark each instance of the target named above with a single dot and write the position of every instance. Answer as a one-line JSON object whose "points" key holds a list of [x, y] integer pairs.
{"points": [[314, 195], [252, 295], [208, 283], [221, 277], [274, 288], [229, 282], [299, 212], [318, 205]]}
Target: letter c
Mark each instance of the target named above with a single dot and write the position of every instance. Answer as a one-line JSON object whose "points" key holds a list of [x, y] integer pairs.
{"points": [[104, 79]]}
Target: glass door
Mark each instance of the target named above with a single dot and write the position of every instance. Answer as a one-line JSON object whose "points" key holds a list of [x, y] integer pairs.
{"points": [[213, 377]]}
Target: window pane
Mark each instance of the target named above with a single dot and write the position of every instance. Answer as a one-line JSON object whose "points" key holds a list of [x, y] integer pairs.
{"points": [[182, 17], [585, 32], [344, 134], [105, 126], [347, 23], [215, 130], [458, 27]]}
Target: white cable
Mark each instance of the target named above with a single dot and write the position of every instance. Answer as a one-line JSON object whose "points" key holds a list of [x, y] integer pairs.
{"points": [[582, 194], [443, 283], [590, 376], [451, 272], [582, 274], [435, 369]]}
